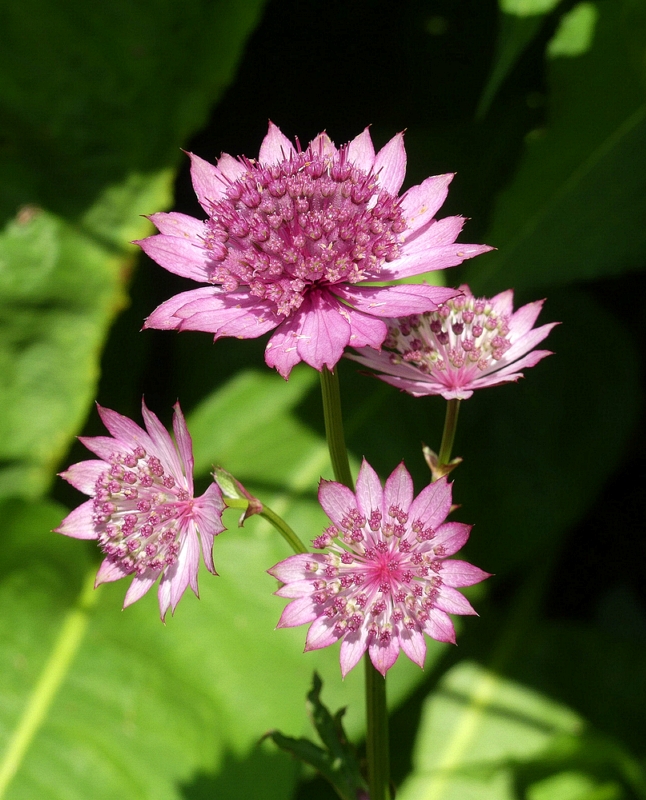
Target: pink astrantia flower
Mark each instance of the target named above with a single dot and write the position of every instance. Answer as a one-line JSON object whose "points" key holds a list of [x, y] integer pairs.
{"points": [[385, 579], [292, 238], [143, 512], [467, 344]]}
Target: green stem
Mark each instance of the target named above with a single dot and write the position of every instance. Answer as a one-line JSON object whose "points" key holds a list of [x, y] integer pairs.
{"points": [[377, 750], [450, 427], [272, 517], [283, 528], [334, 427]]}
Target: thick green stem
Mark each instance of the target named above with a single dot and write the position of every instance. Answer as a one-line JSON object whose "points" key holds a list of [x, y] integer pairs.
{"points": [[283, 528], [334, 427], [450, 427], [377, 750], [272, 517]]}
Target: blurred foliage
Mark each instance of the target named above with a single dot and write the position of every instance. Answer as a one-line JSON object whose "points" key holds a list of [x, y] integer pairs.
{"points": [[540, 106]]}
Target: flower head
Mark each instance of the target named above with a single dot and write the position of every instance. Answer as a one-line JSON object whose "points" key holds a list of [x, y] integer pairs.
{"points": [[385, 579], [291, 239], [467, 344], [143, 512]]}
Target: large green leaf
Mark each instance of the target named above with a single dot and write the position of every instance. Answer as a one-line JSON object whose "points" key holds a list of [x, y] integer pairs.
{"points": [[95, 101], [486, 737], [575, 207]]}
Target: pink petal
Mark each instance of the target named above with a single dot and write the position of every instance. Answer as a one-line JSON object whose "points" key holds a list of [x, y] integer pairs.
{"points": [[523, 320], [398, 490], [124, 429], [295, 589], [451, 601], [527, 342], [111, 570], [353, 647], [421, 203], [179, 225], [436, 233], [394, 301], [230, 167], [320, 634], [414, 645], [439, 626], [185, 257], [207, 516], [512, 371], [452, 536], [361, 151], [383, 656], [337, 501], [275, 147], [208, 182], [298, 612], [104, 446], [164, 448], [184, 572], [163, 317], [390, 164], [365, 330], [503, 302], [84, 475], [449, 255], [432, 504], [368, 490], [324, 332], [460, 573], [139, 587], [281, 351], [184, 445], [79, 524], [323, 145], [232, 314], [295, 568]]}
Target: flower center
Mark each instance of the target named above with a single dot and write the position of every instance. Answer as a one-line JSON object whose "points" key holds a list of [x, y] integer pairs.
{"points": [[463, 334], [392, 580], [137, 510], [312, 219]]}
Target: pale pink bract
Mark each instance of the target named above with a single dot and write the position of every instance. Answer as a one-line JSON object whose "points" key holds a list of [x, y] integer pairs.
{"points": [[385, 579], [142, 510], [291, 240], [467, 344]]}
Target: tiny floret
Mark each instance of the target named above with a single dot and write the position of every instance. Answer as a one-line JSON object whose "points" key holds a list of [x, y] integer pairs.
{"points": [[467, 344], [386, 578], [142, 509], [292, 239]]}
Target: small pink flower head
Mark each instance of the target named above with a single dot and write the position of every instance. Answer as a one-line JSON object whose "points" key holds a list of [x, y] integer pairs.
{"points": [[467, 344], [143, 512], [291, 240], [385, 578]]}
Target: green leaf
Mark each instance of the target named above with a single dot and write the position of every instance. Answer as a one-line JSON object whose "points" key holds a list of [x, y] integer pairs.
{"points": [[486, 737], [95, 104], [337, 761], [575, 207]]}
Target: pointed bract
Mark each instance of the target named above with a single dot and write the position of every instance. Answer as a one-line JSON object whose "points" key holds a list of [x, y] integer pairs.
{"points": [[292, 238], [143, 511], [384, 578]]}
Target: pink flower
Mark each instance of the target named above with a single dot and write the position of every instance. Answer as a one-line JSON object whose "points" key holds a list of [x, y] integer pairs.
{"points": [[385, 579], [143, 512], [467, 344], [292, 238]]}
